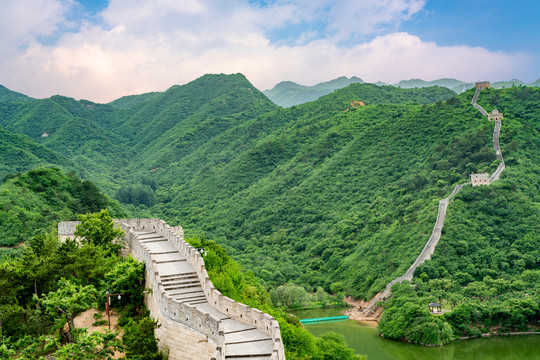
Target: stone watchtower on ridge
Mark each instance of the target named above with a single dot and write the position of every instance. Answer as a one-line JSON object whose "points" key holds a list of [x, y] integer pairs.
{"points": [[480, 179], [482, 84], [495, 115]]}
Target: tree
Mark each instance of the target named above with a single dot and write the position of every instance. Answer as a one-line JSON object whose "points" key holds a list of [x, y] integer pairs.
{"points": [[68, 301], [139, 339], [127, 277], [332, 346], [87, 346], [99, 229]]}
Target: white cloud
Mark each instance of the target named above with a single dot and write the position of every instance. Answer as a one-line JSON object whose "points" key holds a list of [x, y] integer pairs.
{"points": [[344, 17], [151, 45], [22, 20]]}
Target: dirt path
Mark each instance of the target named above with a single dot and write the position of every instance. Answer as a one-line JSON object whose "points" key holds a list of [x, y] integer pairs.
{"points": [[87, 320]]}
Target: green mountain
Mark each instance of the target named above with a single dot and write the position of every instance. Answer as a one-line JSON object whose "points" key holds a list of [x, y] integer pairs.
{"points": [[311, 199], [7, 95], [535, 84], [32, 203], [452, 84], [507, 84], [288, 93], [176, 122], [125, 102], [19, 153]]}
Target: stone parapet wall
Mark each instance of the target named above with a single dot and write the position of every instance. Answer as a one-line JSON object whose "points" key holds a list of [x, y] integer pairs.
{"points": [[177, 340], [67, 228], [183, 327], [223, 304]]}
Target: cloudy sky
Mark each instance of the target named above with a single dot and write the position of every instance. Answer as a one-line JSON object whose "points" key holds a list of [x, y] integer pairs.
{"points": [[103, 49]]}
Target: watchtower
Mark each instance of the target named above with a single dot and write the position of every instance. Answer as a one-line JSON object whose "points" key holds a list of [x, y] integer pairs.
{"points": [[482, 84], [495, 115], [480, 179]]}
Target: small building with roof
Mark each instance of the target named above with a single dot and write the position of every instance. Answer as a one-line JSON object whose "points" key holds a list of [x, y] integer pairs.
{"points": [[435, 308], [482, 84], [495, 115], [480, 179]]}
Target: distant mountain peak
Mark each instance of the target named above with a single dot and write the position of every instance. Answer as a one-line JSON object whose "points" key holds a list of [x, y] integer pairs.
{"points": [[288, 93]]}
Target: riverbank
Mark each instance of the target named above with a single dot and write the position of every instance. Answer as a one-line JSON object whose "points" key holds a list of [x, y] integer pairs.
{"points": [[354, 312]]}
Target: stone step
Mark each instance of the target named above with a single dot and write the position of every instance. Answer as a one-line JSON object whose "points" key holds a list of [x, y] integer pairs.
{"points": [[162, 239], [144, 233], [185, 286], [249, 349], [168, 276], [212, 311], [197, 302], [148, 235], [196, 297], [167, 257], [170, 279], [165, 252], [248, 358], [181, 281], [169, 261], [243, 336], [196, 289], [230, 326], [170, 268], [188, 294]]}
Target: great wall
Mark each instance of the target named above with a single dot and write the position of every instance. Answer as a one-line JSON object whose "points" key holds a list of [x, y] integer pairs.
{"points": [[196, 320], [482, 179]]}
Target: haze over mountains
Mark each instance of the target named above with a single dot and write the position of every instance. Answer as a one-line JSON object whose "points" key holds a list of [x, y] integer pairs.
{"points": [[288, 93]]}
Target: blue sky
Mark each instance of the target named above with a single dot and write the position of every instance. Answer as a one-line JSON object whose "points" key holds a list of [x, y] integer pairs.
{"points": [[103, 49], [494, 24]]}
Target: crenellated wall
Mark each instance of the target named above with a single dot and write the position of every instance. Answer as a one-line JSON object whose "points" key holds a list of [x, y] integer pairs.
{"points": [[188, 332]]}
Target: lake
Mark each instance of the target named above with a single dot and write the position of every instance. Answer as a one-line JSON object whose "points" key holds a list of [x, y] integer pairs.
{"points": [[366, 340]]}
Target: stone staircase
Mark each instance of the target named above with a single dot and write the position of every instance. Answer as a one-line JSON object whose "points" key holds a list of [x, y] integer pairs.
{"points": [[181, 283]]}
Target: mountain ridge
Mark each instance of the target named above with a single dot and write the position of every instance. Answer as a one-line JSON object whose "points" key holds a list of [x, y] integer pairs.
{"points": [[288, 93]]}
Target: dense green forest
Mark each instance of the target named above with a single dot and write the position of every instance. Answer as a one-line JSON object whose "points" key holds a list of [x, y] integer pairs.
{"points": [[326, 194], [7, 95], [18, 153], [32, 203], [43, 290], [304, 184], [487, 264]]}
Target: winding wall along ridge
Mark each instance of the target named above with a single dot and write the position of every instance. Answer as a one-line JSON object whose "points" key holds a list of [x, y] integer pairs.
{"points": [[433, 240]]}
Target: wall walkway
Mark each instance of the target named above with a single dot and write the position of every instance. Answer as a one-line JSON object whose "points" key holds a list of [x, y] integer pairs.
{"points": [[197, 321]]}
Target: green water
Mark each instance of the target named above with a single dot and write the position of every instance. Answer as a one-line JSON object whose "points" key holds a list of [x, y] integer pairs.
{"points": [[365, 340]]}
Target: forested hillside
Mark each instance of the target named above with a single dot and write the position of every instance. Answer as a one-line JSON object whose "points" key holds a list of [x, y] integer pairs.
{"points": [[32, 203], [341, 192], [487, 264], [7, 95], [331, 195], [19, 153]]}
